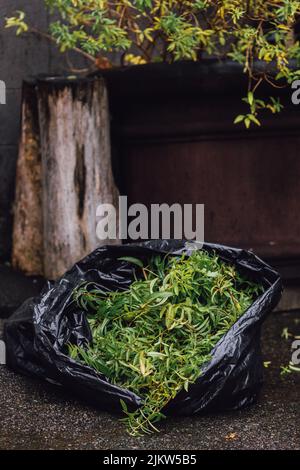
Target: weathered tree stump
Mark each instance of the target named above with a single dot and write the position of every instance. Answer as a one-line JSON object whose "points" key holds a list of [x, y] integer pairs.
{"points": [[27, 254], [76, 172]]}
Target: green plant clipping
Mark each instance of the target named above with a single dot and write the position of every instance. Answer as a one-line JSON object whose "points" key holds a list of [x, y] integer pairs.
{"points": [[144, 31], [153, 338]]}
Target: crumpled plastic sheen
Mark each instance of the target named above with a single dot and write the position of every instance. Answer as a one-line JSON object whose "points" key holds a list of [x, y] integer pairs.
{"points": [[37, 334]]}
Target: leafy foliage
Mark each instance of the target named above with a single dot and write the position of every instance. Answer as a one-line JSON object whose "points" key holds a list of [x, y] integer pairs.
{"points": [[146, 31], [153, 338]]}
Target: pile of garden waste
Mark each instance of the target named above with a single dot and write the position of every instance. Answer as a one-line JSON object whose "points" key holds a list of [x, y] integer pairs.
{"points": [[153, 338]]}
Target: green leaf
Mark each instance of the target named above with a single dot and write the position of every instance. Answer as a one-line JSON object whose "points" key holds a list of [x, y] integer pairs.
{"points": [[170, 316], [247, 122], [132, 260], [124, 406], [254, 119], [142, 363], [250, 98]]}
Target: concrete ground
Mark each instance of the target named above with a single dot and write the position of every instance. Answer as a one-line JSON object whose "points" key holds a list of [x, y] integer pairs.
{"points": [[36, 415]]}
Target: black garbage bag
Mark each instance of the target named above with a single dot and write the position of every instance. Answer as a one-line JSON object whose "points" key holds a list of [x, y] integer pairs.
{"points": [[38, 333]]}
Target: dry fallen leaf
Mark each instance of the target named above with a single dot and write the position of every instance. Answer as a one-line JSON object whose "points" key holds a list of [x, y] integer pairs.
{"points": [[232, 436]]}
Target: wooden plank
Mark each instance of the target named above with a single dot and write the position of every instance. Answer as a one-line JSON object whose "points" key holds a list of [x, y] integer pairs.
{"points": [[76, 168]]}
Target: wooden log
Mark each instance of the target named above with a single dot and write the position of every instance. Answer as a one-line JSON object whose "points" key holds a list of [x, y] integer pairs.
{"points": [[27, 253], [76, 168]]}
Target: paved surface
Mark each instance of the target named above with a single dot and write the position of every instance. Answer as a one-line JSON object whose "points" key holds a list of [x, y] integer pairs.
{"points": [[35, 415]]}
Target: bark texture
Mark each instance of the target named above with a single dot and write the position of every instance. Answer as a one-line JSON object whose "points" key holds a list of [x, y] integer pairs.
{"points": [[75, 171]]}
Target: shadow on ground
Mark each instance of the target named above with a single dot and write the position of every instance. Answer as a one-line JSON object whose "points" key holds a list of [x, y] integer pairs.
{"points": [[36, 415]]}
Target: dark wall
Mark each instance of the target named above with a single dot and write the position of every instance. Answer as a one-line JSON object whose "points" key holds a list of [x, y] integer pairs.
{"points": [[20, 58], [175, 142]]}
